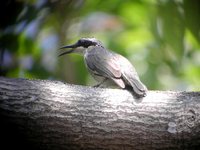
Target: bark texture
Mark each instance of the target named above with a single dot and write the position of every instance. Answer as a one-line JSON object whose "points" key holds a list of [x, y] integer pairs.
{"points": [[42, 114]]}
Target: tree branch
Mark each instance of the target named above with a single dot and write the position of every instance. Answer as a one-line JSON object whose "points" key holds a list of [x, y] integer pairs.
{"points": [[54, 115]]}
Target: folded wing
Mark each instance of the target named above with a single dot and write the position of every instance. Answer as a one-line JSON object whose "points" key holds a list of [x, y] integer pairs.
{"points": [[103, 63]]}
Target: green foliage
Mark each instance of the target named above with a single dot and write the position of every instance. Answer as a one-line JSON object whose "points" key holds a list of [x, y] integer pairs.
{"points": [[161, 38]]}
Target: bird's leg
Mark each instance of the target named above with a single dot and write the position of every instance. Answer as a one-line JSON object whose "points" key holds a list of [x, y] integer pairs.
{"points": [[99, 84]]}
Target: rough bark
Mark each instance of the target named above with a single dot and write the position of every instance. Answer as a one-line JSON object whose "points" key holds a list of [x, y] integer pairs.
{"points": [[49, 115]]}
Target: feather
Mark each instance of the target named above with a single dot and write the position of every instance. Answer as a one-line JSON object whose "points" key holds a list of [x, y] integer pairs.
{"points": [[103, 63]]}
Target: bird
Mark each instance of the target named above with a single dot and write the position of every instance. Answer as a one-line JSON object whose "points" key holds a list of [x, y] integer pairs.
{"points": [[107, 67]]}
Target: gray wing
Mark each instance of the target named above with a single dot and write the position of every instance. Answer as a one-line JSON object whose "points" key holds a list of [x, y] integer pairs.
{"points": [[103, 63], [130, 76]]}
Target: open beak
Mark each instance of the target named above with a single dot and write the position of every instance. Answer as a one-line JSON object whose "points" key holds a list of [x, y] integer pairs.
{"points": [[73, 46]]}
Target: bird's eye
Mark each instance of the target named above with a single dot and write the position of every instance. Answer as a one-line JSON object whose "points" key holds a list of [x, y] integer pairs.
{"points": [[80, 42]]}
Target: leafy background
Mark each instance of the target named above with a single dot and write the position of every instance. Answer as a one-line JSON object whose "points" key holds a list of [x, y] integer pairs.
{"points": [[160, 37]]}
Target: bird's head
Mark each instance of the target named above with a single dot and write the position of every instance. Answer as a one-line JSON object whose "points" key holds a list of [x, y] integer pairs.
{"points": [[81, 45]]}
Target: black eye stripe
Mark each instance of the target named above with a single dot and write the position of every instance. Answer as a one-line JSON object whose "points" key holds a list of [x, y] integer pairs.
{"points": [[86, 43]]}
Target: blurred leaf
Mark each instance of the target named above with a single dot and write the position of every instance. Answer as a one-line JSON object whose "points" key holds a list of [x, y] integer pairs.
{"points": [[134, 13], [172, 28], [192, 15], [133, 40]]}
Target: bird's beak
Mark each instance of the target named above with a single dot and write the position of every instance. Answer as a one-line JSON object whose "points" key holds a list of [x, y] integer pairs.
{"points": [[73, 46]]}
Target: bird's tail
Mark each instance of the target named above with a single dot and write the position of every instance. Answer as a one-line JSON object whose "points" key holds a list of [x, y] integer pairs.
{"points": [[138, 87]]}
